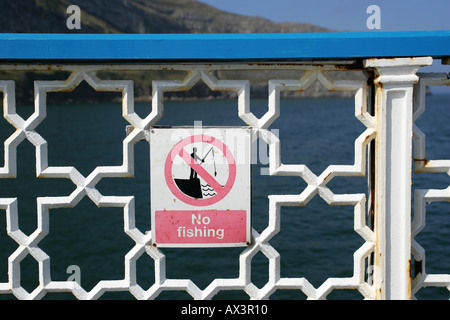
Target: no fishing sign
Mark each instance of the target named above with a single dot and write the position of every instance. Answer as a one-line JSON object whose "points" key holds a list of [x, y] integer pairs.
{"points": [[200, 186]]}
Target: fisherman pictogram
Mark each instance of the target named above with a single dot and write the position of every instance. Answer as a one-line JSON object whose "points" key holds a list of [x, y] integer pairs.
{"points": [[194, 187]]}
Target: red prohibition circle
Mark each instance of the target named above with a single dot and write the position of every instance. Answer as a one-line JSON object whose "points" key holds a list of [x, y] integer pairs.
{"points": [[178, 150]]}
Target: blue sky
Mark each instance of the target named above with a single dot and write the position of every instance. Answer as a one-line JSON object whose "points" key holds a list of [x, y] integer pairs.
{"points": [[348, 15]]}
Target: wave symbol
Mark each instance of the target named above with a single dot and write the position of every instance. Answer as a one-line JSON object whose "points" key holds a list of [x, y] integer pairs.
{"points": [[207, 191]]}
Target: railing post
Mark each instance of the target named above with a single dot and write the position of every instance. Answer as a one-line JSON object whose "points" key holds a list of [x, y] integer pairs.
{"points": [[394, 108]]}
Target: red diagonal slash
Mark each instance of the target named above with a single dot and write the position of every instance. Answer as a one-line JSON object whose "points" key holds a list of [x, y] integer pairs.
{"points": [[201, 171], [222, 191]]}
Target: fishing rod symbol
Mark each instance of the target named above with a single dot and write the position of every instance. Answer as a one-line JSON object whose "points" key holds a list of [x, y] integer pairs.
{"points": [[214, 160], [194, 155]]}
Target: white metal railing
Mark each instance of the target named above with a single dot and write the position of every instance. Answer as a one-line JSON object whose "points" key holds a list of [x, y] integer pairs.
{"points": [[424, 196], [387, 246]]}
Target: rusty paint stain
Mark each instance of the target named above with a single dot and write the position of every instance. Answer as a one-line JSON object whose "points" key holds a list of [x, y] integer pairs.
{"points": [[425, 161], [420, 164], [409, 279], [409, 268]]}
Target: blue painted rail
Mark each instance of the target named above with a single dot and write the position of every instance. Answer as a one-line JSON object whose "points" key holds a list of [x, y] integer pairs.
{"points": [[213, 47]]}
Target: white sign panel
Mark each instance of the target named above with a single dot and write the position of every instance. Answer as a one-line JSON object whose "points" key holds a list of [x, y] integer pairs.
{"points": [[200, 186]]}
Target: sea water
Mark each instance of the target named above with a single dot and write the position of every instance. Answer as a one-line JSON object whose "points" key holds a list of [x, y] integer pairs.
{"points": [[316, 241]]}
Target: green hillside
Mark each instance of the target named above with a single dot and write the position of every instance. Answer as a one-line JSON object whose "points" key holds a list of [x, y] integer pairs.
{"points": [[133, 16]]}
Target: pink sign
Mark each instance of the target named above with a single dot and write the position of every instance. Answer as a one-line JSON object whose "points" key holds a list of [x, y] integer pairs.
{"points": [[200, 187], [201, 226]]}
